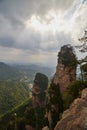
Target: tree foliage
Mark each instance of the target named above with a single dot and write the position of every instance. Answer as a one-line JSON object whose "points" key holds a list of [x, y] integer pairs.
{"points": [[55, 104], [12, 94], [73, 91], [67, 56]]}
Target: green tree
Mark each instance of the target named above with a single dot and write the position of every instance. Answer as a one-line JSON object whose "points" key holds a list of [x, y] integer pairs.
{"points": [[73, 91], [54, 103], [30, 116]]}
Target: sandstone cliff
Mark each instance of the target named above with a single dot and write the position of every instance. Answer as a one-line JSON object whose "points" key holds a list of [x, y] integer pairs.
{"points": [[39, 90], [34, 115], [75, 118], [66, 68]]}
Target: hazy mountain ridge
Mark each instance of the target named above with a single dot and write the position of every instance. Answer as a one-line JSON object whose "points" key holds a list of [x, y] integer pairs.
{"points": [[20, 72], [7, 72], [36, 68]]}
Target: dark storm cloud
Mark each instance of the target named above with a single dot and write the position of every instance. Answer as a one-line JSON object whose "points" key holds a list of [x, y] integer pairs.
{"points": [[32, 42], [18, 10], [15, 12], [18, 40], [6, 41]]}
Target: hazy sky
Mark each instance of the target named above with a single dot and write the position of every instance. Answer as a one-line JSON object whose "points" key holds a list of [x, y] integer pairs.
{"points": [[32, 31]]}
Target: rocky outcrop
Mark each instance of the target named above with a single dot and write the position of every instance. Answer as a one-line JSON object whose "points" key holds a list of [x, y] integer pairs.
{"points": [[66, 68], [75, 118], [39, 90], [36, 112], [45, 128]]}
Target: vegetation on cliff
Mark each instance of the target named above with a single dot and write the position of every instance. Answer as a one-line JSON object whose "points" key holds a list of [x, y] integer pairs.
{"points": [[55, 103], [12, 94], [47, 104], [67, 56], [75, 117], [73, 91]]}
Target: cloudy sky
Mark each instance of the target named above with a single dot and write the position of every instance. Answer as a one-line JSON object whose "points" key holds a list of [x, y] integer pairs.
{"points": [[32, 31]]}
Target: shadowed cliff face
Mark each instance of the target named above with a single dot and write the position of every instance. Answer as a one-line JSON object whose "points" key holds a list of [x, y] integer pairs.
{"points": [[28, 127], [75, 118], [66, 68], [39, 90]]}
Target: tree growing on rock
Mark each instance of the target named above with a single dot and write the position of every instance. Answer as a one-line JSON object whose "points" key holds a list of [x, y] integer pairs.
{"points": [[54, 105]]}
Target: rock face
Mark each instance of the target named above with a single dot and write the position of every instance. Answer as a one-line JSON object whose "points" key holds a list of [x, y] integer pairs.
{"points": [[66, 68], [28, 127], [37, 111], [39, 90], [45, 128], [75, 118]]}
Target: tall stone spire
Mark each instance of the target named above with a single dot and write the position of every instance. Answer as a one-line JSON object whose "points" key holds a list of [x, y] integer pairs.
{"points": [[66, 67]]}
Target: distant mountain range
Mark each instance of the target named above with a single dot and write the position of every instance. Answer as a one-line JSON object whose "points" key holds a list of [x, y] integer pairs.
{"points": [[22, 72], [7, 72]]}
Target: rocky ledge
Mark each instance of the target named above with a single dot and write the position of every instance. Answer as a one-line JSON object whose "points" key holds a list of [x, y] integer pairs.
{"points": [[75, 118]]}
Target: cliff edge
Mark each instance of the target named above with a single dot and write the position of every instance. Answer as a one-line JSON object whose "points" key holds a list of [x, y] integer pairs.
{"points": [[75, 118]]}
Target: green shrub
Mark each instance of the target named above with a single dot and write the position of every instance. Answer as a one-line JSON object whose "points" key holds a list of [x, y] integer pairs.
{"points": [[73, 91], [55, 104]]}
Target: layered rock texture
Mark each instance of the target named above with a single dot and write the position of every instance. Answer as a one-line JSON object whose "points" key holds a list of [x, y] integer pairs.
{"points": [[75, 118], [66, 68], [39, 90]]}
